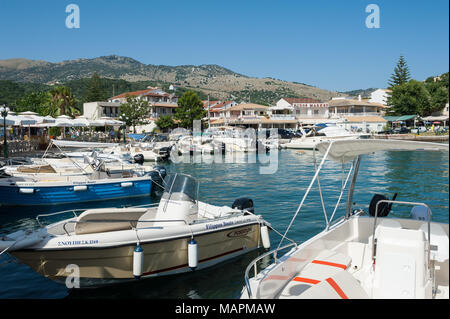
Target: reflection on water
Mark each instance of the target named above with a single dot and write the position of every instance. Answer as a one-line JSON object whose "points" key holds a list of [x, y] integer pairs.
{"points": [[419, 176]]}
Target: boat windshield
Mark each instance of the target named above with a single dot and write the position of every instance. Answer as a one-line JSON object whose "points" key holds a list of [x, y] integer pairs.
{"points": [[180, 187]]}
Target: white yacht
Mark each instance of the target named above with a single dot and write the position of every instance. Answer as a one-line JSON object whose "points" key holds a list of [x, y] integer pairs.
{"points": [[361, 255]]}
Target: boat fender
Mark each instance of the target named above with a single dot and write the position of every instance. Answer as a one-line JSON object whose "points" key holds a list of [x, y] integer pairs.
{"points": [[192, 254], [26, 190], [138, 261], [265, 237]]}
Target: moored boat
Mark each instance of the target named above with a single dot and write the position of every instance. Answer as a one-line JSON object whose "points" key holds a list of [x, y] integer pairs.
{"points": [[362, 255], [180, 234]]}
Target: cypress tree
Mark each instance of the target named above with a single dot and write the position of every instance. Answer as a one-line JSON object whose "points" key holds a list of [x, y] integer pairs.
{"points": [[401, 73], [95, 91]]}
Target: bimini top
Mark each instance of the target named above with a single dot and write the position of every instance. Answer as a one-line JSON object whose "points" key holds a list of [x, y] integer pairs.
{"points": [[80, 144], [347, 150]]}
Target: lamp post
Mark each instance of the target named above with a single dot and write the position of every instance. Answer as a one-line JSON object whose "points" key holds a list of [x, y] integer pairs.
{"points": [[124, 119], [4, 112]]}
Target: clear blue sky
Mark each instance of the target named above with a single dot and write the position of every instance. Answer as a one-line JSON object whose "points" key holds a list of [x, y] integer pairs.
{"points": [[321, 43]]}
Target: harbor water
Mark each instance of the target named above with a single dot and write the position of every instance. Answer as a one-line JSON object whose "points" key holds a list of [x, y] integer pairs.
{"points": [[414, 176]]}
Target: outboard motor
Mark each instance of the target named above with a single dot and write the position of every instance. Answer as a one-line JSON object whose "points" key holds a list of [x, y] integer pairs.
{"points": [[383, 208], [139, 159], [244, 203], [165, 152], [158, 175]]}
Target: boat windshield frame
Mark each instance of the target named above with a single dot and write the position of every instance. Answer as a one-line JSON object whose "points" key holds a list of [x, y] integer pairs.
{"points": [[181, 187]]}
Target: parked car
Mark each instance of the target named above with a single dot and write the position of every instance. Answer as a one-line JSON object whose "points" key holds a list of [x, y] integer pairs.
{"points": [[420, 129], [389, 131], [402, 130]]}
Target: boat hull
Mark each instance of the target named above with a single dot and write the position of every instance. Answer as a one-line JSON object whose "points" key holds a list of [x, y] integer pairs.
{"points": [[161, 257], [30, 195]]}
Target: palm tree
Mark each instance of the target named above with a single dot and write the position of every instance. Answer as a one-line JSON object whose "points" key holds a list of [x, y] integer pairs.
{"points": [[61, 102]]}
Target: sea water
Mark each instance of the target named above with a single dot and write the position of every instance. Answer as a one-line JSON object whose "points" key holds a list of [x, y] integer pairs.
{"points": [[414, 176]]}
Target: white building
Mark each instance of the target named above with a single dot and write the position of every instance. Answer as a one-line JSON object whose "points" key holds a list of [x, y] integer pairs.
{"points": [[96, 110], [380, 96]]}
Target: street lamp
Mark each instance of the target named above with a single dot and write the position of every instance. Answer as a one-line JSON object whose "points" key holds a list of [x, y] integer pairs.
{"points": [[124, 119], [4, 112]]}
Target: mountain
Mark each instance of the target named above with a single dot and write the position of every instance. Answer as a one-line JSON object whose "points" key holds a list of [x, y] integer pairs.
{"points": [[365, 93], [210, 79]]}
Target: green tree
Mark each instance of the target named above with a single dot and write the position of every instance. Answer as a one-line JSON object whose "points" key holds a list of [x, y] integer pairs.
{"points": [[401, 73], [61, 102], [438, 89], [95, 91], [409, 98], [34, 101], [165, 122], [190, 108], [136, 111]]}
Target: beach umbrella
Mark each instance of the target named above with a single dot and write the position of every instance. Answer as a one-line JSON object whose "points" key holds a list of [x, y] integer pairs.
{"points": [[81, 121], [49, 119], [63, 121], [28, 113]]}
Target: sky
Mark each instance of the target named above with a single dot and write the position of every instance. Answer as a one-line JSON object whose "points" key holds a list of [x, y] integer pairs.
{"points": [[321, 43]]}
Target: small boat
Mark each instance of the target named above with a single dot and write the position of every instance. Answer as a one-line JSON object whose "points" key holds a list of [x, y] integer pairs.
{"points": [[180, 234], [362, 255], [309, 140], [67, 180]]}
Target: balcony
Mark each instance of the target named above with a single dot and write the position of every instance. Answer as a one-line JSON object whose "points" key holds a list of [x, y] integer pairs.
{"points": [[282, 117]]}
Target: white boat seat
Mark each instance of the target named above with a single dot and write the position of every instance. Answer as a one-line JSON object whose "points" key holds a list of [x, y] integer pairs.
{"points": [[439, 241], [340, 286], [96, 220], [387, 222], [210, 211], [325, 265], [400, 263]]}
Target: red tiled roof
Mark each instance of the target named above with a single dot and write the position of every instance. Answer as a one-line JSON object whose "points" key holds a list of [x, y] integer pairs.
{"points": [[135, 93]]}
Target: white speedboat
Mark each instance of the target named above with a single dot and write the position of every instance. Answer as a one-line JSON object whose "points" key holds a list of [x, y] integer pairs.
{"points": [[309, 140], [360, 256], [181, 234]]}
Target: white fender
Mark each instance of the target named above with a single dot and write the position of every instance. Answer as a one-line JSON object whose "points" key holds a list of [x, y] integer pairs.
{"points": [[138, 261], [265, 236], [192, 254]]}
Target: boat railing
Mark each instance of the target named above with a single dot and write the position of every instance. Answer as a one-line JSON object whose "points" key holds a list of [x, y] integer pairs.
{"points": [[254, 264], [131, 221], [403, 203], [73, 211]]}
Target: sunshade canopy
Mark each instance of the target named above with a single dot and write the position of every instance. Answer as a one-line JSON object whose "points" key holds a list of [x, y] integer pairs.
{"points": [[347, 150]]}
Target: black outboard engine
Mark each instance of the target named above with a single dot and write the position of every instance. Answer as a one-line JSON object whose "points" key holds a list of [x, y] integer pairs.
{"points": [[139, 159], [158, 175], [165, 152], [244, 203], [383, 208]]}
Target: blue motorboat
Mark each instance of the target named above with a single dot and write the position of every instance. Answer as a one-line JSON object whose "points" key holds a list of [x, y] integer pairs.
{"points": [[52, 189]]}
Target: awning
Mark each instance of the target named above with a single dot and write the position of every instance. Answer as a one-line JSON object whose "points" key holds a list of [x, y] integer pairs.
{"points": [[79, 144], [435, 118], [400, 118], [347, 150]]}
